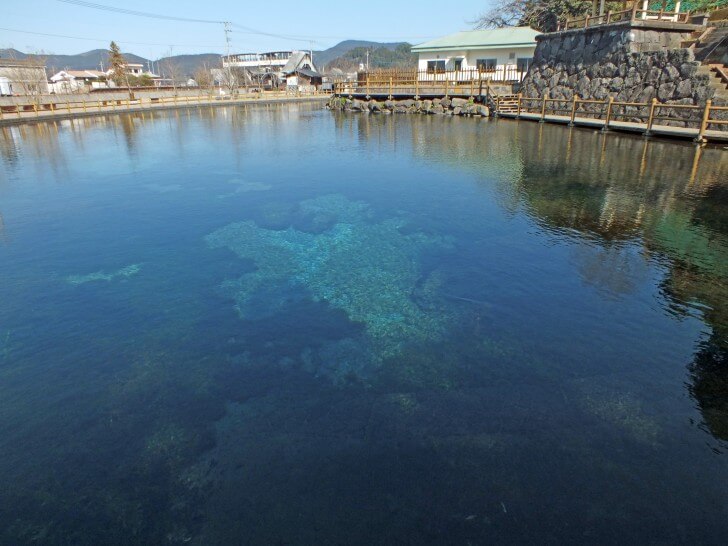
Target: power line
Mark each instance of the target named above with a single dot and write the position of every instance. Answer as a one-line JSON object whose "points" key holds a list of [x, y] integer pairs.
{"points": [[105, 40], [124, 11], [243, 29]]}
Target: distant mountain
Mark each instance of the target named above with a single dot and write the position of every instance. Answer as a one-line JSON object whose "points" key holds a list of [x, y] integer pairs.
{"points": [[189, 64], [400, 56], [88, 60], [322, 58]]}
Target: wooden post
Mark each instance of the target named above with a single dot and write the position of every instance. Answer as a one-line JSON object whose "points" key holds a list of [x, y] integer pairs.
{"points": [[445, 84], [53, 108], [84, 105], [68, 107], [609, 16], [704, 122], [543, 110], [608, 116], [651, 118], [633, 16], [586, 21], [390, 88], [417, 85], [35, 108], [573, 110], [518, 111]]}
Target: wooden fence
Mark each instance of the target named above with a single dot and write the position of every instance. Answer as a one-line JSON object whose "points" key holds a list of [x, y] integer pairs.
{"points": [[633, 14], [48, 107], [470, 83], [650, 114]]}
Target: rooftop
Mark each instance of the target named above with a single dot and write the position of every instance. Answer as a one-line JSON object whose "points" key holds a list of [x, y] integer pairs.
{"points": [[482, 39]]}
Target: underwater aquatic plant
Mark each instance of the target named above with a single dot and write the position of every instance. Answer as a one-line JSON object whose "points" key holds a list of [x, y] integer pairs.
{"points": [[125, 272], [368, 269]]}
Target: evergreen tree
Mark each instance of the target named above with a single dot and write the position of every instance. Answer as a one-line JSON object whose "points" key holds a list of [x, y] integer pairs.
{"points": [[117, 63]]}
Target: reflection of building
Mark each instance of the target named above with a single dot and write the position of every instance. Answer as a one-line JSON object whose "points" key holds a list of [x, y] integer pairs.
{"points": [[22, 77], [503, 54]]}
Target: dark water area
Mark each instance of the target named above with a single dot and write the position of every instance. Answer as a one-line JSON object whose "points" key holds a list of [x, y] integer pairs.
{"points": [[279, 325]]}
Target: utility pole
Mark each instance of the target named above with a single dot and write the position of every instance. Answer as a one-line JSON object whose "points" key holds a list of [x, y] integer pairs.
{"points": [[228, 70], [226, 29]]}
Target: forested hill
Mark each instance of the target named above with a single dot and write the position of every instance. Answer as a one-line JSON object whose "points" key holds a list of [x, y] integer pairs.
{"points": [[399, 56]]}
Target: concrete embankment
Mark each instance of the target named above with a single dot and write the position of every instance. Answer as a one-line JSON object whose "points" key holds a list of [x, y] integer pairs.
{"points": [[33, 112], [444, 106]]}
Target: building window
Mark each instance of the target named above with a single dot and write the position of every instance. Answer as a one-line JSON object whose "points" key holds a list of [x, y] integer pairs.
{"points": [[486, 65], [458, 64], [523, 63], [435, 67], [511, 55]]}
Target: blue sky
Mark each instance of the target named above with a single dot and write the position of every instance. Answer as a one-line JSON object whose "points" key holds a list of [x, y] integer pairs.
{"points": [[293, 21]]}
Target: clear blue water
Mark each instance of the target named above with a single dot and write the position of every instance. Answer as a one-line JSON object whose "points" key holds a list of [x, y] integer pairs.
{"points": [[280, 325]]}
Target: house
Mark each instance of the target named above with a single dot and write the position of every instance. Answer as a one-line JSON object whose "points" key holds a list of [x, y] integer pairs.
{"points": [[22, 77], [274, 69], [134, 69], [501, 54], [69, 81]]}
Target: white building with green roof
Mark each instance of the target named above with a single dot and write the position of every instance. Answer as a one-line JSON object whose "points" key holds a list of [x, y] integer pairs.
{"points": [[501, 54]]}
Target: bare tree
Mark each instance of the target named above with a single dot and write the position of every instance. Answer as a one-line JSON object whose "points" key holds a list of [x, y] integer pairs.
{"points": [[28, 76], [172, 70], [203, 77], [543, 15]]}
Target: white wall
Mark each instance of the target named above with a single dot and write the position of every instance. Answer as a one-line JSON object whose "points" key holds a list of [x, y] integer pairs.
{"points": [[504, 62]]}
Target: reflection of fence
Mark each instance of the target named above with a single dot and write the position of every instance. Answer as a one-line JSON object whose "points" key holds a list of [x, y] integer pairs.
{"points": [[47, 106], [648, 117], [633, 14]]}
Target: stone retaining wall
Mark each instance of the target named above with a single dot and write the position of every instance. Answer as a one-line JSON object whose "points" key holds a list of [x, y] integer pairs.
{"points": [[445, 106], [628, 63]]}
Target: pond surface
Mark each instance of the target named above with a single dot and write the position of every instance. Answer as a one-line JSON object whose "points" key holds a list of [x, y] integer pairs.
{"points": [[279, 325]]}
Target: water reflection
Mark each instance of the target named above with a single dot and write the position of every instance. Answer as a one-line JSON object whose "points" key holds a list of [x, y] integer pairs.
{"points": [[580, 184], [547, 411]]}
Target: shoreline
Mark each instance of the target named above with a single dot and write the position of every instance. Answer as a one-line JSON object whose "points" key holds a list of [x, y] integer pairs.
{"points": [[39, 117]]}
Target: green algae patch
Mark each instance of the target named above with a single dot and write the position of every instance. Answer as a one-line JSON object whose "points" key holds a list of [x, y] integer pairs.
{"points": [[623, 410], [123, 273], [369, 269]]}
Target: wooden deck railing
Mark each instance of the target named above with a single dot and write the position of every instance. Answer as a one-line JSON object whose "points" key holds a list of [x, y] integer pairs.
{"points": [[469, 83], [633, 14], [651, 113], [414, 88]]}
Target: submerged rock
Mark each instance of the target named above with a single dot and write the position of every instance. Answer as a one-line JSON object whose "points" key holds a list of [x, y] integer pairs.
{"points": [[367, 269]]}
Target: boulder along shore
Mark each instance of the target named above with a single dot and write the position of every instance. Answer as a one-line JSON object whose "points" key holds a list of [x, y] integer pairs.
{"points": [[444, 106]]}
